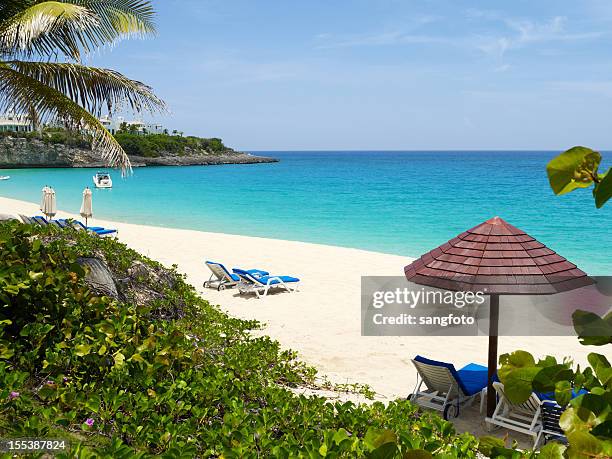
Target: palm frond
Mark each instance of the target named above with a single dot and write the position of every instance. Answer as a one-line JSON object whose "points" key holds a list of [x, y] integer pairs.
{"points": [[73, 27], [23, 93], [47, 27], [93, 88], [126, 17]]}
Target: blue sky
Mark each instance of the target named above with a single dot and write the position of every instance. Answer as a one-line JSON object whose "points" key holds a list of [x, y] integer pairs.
{"points": [[384, 74]]}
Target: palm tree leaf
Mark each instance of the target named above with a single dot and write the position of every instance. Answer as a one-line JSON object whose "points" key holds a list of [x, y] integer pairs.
{"points": [[22, 93], [47, 27], [94, 89], [126, 17], [73, 27]]}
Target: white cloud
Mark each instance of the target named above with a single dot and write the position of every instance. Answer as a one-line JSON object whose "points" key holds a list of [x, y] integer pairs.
{"points": [[526, 32]]}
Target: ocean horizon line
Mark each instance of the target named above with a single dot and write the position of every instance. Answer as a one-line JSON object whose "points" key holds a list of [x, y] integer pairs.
{"points": [[497, 150]]}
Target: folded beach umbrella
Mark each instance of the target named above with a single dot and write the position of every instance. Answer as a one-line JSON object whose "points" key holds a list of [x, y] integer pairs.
{"points": [[44, 194], [498, 259], [49, 206], [86, 206]]}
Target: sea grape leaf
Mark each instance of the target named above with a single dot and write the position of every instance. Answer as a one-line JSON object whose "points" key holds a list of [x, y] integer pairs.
{"points": [[603, 190], [384, 451], [603, 430], [547, 377], [513, 361], [518, 384], [417, 454], [82, 350], [583, 445], [552, 450], [563, 392], [487, 443], [572, 169], [592, 330], [602, 368]]}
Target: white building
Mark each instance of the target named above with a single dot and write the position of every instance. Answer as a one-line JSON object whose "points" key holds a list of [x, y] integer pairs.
{"points": [[13, 122], [140, 127]]}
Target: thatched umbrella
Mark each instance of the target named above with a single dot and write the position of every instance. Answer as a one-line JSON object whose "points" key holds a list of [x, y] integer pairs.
{"points": [[498, 259]]}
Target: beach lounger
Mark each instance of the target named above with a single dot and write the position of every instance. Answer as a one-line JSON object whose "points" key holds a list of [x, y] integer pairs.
{"points": [[250, 283], [27, 220], [221, 278], [520, 417], [42, 221], [66, 224], [446, 388], [550, 413], [100, 231]]}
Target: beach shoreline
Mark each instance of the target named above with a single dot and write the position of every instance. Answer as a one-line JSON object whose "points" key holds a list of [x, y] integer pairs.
{"points": [[321, 322]]}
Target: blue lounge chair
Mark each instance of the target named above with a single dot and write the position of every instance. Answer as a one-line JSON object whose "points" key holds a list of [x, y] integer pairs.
{"points": [[66, 223], [535, 417], [250, 283], [446, 388], [221, 278], [550, 413], [99, 230]]}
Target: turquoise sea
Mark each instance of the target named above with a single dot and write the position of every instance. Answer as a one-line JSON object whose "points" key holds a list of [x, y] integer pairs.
{"points": [[402, 203]]}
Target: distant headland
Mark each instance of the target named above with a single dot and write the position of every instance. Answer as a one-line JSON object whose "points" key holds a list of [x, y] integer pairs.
{"points": [[21, 146]]}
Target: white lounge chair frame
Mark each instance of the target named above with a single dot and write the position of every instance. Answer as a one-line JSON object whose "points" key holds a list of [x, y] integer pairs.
{"points": [[520, 417], [219, 278], [249, 283], [443, 392]]}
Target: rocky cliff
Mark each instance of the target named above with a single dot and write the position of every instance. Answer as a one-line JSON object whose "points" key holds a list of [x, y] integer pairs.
{"points": [[23, 152]]}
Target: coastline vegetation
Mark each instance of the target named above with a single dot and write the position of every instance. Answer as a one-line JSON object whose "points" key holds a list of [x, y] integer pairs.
{"points": [[171, 376], [134, 144]]}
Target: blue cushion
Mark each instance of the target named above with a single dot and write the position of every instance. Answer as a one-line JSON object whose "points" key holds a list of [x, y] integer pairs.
{"points": [[471, 379], [551, 395], [264, 279], [257, 272], [234, 277], [105, 231]]}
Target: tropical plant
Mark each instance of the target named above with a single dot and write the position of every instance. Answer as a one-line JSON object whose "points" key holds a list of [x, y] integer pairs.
{"points": [[170, 377], [578, 168], [587, 419], [42, 44]]}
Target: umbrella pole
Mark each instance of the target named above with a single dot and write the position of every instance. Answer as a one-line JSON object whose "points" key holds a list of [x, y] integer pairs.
{"points": [[492, 364]]}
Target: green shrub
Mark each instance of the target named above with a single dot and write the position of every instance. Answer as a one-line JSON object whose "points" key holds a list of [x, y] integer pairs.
{"points": [[121, 380], [152, 145]]}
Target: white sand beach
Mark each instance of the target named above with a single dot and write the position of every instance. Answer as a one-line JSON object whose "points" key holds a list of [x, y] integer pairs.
{"points": [[321, 321]]}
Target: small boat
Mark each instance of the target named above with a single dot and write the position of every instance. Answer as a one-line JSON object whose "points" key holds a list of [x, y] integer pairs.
{"points": [[102, 180], [5, 177]]}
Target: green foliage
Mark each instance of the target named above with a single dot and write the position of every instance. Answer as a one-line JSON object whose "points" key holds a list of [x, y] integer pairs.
{"points": [[120, 379], [578, 168], [153, 145], [587, 419]]}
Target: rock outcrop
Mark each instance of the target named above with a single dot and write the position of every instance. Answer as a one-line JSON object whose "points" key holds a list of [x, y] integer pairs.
{"points": [[20, 152]]}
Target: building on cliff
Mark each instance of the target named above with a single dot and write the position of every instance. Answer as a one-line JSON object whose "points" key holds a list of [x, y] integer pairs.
{"points": [[14, 122], [138, 127]]}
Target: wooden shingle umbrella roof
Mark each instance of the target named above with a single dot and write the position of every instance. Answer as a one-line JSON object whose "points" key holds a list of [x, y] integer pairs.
{"points": [[496, 258]]}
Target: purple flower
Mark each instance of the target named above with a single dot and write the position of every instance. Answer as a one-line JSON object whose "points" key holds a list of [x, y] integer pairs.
{"points": [[89, 422], [50, 383], [13, 395], [65, 380]]}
